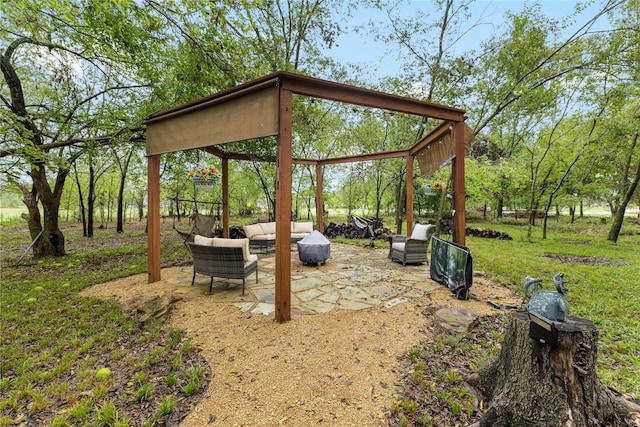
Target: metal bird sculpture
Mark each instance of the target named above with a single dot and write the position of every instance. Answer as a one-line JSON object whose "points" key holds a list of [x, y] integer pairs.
{"points": [[551, 305]]}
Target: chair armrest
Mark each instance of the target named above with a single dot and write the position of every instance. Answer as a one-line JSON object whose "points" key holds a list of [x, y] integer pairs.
{"points": [[399, 239]]}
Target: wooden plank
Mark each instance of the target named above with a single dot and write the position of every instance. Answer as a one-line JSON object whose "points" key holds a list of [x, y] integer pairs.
{"points": [[225, 197], [459, 222], [309, 86], [319, 202], [433, 136], [365, 157], [153, 218], [283, 209], [409, 199]]}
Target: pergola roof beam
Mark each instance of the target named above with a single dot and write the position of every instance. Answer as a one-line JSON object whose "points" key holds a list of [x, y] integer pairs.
{"points": [[317, 88]]}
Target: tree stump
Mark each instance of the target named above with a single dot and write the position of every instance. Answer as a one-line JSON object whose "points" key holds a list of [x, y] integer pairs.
{"points": [[535, 384]]}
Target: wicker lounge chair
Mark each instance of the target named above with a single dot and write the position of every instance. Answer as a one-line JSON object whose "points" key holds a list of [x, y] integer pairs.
{"points": [[222, 261], [412, 249], [202, 225]]}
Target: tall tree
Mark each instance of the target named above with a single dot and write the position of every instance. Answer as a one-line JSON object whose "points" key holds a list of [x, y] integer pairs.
{"points": [[59, 62], [623, 70]]}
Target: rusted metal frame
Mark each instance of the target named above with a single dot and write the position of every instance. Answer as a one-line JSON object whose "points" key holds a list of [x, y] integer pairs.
{"points": [[215, 151], [432, 137], [319, 203], [153, 218], [220, 97], [365, 157], [283, 209], [308, 86], [239, 156], [225, 197], [335, 160], [409, 198], [457, 172], [309, 162]]}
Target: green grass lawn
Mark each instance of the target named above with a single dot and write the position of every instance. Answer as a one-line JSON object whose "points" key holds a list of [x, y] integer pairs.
{"points": [[55, 345], [603, 280]]}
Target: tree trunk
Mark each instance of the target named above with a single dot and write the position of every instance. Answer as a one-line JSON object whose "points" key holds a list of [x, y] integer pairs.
{"points": [[51, 242], [120, 207], [544, 224], [140, 203], [618, 217], [90, 201], [81, 205], [572, 213], [30, 200], [535, 384]]}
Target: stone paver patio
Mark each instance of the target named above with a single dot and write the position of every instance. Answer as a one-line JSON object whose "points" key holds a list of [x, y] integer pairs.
{"points": [[354, 278]]}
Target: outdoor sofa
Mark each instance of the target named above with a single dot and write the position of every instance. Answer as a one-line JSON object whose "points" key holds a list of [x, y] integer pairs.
{"points": [[263, 234], [219, 257]]}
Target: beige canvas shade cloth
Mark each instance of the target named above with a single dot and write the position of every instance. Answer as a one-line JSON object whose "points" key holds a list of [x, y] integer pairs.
{"points": [[439, 153]]}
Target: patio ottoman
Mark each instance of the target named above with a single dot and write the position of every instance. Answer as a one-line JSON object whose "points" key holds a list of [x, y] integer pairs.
{"points": [[314, 248]]}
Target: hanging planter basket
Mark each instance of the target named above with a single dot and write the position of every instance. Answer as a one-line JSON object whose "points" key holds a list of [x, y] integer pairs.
{"points": [[204, 176], [199, 182], [433, 188], [429, 190]]}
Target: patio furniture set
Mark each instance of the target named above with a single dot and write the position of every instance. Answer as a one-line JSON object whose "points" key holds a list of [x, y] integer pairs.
{"points": [[231, 258]]}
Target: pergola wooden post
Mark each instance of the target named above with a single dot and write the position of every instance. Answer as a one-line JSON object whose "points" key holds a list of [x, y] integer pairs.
{"points": [[153, 218], [459, 223], [319, 201], [263, 108], [225, 197], [409, 198], [283, 210]]}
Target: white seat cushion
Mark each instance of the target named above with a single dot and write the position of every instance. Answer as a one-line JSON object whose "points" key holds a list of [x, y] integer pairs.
{"points": [[303, 227], [201, 240], [399, 246], [268, 227], [234, 243], [264, 237], [252, 258], [252, 230], [420, 232]]}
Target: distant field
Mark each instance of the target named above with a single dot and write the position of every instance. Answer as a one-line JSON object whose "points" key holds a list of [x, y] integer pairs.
{"points": [[11, 213], [14, 213]]}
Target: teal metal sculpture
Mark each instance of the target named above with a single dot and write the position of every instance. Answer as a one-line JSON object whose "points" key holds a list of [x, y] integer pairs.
{"points": [[551, 305]]}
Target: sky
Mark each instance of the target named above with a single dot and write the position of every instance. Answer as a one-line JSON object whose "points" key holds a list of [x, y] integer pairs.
{"points": [[360, 49]]}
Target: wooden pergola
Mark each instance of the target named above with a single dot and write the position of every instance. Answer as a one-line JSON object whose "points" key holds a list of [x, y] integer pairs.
{"points": [[263, 108]]}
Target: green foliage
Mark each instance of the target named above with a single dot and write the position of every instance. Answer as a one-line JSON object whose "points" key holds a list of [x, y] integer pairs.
{"points": [[107, 416], [435, 393], [69, 338], [193, 382], [143, 392], [167, 405], [600, 276]]}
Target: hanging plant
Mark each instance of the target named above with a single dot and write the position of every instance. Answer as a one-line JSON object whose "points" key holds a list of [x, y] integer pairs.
{"points": [[204, 177], [432, 188]]}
